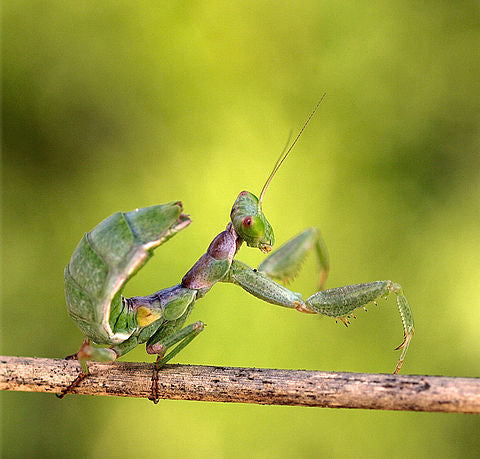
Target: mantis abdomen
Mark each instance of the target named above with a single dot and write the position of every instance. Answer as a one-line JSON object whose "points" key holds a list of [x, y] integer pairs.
{"points": [[106, 258]]}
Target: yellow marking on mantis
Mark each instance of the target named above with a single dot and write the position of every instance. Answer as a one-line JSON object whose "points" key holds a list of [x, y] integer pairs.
{"points": [[146, 316]]}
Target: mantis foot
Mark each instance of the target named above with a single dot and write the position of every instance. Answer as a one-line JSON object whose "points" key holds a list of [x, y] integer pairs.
{"points": [[87, 352], [159, 345], [83, 374], [154, 391], [74, 384]]}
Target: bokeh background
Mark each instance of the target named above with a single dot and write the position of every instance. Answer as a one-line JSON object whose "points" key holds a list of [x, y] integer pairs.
{"points": [[115, 105]]}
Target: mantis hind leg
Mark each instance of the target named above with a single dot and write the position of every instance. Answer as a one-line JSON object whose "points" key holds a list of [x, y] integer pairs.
{"points": [[284, 263], [342, 301], [85, 353]]}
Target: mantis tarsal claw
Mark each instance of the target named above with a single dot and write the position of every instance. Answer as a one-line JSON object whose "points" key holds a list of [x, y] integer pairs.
{"points": [[85, 353], [110, 254], [74, 384], [154, 391], [159, 344], [83, 373]]}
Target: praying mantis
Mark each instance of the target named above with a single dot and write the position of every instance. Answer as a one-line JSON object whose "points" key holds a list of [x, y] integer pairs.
{"points": [[112, 252]]}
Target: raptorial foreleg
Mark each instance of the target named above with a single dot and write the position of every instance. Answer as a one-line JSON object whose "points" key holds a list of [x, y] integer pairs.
{"points": [[336, 302], [284, 263], [342, 301], [261, 286]]}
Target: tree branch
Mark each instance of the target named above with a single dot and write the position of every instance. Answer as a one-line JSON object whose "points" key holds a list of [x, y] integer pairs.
{"points": [[248, 385]]}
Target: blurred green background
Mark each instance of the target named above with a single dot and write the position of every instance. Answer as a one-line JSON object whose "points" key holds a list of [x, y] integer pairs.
{"points": [[115, 105]]}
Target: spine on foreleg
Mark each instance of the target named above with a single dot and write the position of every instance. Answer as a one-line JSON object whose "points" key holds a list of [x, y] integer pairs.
{"points": [[341, 301]]}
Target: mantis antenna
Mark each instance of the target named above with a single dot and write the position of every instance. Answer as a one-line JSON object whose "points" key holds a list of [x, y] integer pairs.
{"points": [[284, 154]]}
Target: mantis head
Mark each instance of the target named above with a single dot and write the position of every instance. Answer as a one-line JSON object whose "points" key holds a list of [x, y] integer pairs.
{"points": [[247, 216], [250, 223]]}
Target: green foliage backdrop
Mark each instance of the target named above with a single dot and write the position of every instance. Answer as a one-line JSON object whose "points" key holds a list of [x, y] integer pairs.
{"points": [[115, 105]]}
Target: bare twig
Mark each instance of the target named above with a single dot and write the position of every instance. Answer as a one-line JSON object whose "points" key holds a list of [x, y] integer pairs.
{"points": [[248, 385]]}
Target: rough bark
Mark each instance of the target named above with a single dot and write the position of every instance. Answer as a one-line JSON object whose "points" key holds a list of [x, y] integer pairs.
{"points": [[248, 385]]}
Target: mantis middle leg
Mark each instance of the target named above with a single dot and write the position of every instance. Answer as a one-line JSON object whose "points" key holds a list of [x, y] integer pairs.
{"points": [[168, 335]]}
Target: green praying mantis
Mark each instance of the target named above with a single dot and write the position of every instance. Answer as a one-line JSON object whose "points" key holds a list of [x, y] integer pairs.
{"points": [[112, 252]]}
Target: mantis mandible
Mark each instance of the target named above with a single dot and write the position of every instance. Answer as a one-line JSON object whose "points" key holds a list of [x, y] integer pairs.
{"points": [[110, 254]]}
